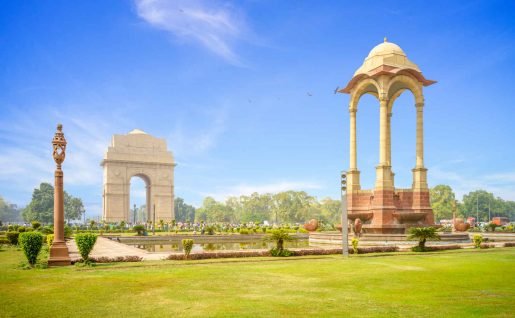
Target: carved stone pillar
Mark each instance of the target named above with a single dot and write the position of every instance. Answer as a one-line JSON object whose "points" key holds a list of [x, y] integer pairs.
{"points": [[59, 251], [353, 173], [383, 170], [420, 172]]}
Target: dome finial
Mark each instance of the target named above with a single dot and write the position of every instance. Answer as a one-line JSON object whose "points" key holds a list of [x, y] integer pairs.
{"points": [[385, 39]]}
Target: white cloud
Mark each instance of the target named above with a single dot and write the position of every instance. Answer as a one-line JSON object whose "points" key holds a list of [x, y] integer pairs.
{"points": [[500, 184], [247, 189], [212, 24], [187, 141]]}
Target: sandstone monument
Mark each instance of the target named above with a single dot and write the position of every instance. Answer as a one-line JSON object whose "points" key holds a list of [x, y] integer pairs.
{"points": [[138, 154], [386, 73]]}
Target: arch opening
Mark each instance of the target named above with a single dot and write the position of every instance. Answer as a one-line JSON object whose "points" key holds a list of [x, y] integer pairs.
{"points": [[139, 198], [403, 139], [367, 135]]}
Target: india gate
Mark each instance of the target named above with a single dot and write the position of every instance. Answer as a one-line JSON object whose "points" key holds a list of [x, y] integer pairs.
{"points": [[138, 154], [386, 73]]}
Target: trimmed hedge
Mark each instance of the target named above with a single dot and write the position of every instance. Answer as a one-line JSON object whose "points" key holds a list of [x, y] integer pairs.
{"points": [[49, 240], [12, 237], [105, 259], [31, 244], [486, 245], [85, 243], [509, 244]]}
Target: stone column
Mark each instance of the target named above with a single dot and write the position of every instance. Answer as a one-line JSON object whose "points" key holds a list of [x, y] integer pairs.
{"points": [[353, 154], [353, 173], [420, 172], [59, 251], [383, 170], [420, 135]]}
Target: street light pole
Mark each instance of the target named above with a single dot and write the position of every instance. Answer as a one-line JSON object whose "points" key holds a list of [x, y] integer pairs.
{"points": [[134, 218], [345, 230]]}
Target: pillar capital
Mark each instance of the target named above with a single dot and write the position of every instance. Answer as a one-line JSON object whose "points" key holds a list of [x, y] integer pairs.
{"points": [[419, 105], [353, 110]]}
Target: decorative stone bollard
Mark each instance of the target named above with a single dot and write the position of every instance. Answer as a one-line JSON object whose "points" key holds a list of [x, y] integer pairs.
{"points": [[311, 226], [357, 227]]}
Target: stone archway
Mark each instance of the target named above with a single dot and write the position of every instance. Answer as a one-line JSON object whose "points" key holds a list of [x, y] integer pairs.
{"points": [[138, 154]]}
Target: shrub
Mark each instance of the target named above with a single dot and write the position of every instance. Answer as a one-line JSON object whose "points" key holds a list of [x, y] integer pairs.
{"points": [[105, 259], [509, 244], [85, 243], [486, 245], [31, 243], [22, 229], [49, 240], [279, 237], [67, 231], [422, 234], [12, 237], [477, 239], [140, 229], [48, 229], [436, 248], [491, 227], [280, 253], [35, 225], [210, 230], [187, 245], [244, 231], [354, 243]]}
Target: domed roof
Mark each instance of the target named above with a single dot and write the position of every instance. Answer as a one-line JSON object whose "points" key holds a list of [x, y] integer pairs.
{"points": [[137, 132], [386, 48], [386, 53]]}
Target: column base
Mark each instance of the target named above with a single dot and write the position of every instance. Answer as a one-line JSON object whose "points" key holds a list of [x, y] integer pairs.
{"points": [[59, 255], [384, 177], [419, 178], [353, 183]]}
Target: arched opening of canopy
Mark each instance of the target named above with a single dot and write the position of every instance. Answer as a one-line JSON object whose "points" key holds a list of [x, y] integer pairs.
{"points": [[403, 138], [139, 199], [367, 135]]}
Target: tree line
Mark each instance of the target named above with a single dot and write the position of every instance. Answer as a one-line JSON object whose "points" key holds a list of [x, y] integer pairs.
{"points": [[479, 202], [282, 207]]}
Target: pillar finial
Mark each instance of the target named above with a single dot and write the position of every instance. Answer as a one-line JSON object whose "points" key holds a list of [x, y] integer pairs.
{"points": [[385, 39]]}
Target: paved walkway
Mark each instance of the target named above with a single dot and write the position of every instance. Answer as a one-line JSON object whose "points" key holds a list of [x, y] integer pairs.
{"points": [[108, 248]]}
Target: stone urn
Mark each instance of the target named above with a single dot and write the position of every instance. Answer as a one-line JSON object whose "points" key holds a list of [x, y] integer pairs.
{"points": [[461, 226], [311, 226], [357, 227]]}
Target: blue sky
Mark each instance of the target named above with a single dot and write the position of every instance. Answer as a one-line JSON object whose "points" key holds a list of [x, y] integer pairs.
{"points": [[227, 83]]}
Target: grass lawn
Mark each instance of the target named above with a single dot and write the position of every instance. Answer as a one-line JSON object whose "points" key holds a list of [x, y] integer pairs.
{"points": [[465, 283]]}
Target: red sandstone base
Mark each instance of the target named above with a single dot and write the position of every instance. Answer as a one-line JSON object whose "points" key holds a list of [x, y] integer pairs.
{"points": [[59, 255], [390, 211]]}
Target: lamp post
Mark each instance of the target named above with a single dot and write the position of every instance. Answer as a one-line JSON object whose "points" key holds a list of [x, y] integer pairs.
{"points": [[59, 251], [453, 203], [134, 218], [345, 231]]}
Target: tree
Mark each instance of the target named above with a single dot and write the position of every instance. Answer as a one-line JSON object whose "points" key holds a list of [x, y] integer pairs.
{"points": [[256, 207], [73, 207], [480, 201], [442, 198], [330, 210], [8, 212], [41, 207], [214, 211], [183, 212], [293, 206]]}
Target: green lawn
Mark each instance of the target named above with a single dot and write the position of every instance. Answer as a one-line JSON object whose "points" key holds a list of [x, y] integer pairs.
{"points": [[466, 283]]}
